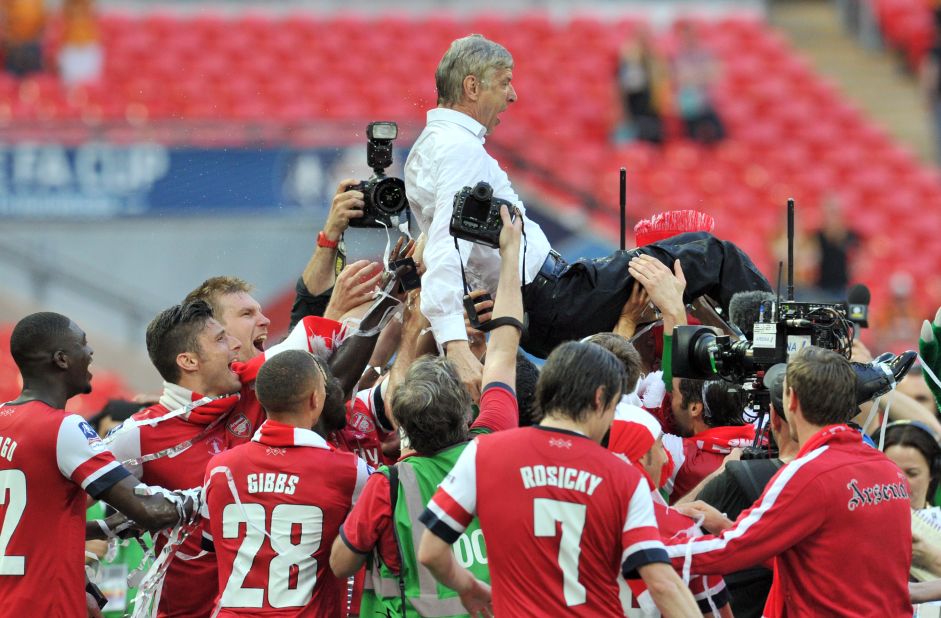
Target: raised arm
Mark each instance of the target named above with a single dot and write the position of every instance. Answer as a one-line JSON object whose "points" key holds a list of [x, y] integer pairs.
{"points": [[500, 365]]}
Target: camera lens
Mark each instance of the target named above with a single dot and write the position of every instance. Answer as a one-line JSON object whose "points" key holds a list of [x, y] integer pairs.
{"points": [[389, 196], [482, 192]]}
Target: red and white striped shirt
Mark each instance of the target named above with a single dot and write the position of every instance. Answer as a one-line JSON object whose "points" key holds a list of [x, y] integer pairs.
{"points": [[47, 458], [562, 516]]}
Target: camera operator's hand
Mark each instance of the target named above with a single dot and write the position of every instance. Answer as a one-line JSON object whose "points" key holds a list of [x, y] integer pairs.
{"points": [[637, 305], [511, 234], [860, 353], [476, 338], [354, 287], [665, 288], [347, 204], [712, 520]]}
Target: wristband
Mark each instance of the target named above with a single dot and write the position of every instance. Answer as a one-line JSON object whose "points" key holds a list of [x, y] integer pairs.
{"points": [[323, 241], [501, 321]]}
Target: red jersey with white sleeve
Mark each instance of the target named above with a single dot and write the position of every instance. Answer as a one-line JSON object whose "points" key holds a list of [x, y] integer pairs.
{"points": [[839, 505], [562, 517], [366, 428], [173, 453], [274, 506], [47, 458]]}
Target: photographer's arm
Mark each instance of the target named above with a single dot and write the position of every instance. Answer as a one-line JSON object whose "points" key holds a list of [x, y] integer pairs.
{"points": [[500, 365], [901, 407], [320, 272]]}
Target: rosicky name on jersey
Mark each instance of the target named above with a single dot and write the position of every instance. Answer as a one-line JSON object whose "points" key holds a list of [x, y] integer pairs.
{"points": [[271, 482], [7, 446], [560, 476]]}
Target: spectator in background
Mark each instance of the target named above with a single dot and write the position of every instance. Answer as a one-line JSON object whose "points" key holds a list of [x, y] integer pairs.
{"points": [[642, 88], [835, 244], [21, 28], [80, 57], [695, 71], [914, 448]]}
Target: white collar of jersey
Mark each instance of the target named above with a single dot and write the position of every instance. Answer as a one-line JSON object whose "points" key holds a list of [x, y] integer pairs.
{"points": [[460, 118], [273, 433]]}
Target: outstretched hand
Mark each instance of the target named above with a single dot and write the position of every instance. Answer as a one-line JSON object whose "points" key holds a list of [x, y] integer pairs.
{"points": [[665, 288], [355, 286], [930, 350], [511, 233]]}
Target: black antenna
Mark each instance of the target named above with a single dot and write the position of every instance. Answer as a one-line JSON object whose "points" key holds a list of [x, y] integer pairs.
{"points": [[623, 196], [777, 301], [790, 248]]}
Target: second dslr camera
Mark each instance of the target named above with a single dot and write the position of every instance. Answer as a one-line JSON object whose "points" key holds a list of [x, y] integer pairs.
{"points": [[476, 215], [384, 196]]}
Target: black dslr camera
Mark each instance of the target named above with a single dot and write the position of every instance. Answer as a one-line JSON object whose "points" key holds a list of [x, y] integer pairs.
{"points": [[384, 196], [476, 215]]}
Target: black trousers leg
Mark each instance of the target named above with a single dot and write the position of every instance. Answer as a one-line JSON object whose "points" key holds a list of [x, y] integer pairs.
{"points": [[588, 296]]}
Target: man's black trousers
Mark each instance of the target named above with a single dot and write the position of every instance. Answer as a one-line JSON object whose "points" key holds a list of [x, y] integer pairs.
{"points": [[575, 300]]}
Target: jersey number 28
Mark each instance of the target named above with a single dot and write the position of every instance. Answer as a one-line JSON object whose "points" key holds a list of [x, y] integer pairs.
{"points": [[292, 561]]}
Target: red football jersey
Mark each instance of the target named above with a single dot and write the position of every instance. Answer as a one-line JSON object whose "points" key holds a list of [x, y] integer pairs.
{"points": [[190, 583], [273, 541], [47, 457], [366, 428], [561, 515]]}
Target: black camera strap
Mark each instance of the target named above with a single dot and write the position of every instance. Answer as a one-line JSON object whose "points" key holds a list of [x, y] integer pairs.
{"points": [[460, 259]]}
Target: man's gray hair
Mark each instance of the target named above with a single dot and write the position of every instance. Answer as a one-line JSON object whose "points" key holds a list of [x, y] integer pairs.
{"points": [[471, 55], [432, 406]]}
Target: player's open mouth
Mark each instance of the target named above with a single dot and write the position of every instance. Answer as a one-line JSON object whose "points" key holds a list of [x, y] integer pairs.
{"points": [[259, 342]]}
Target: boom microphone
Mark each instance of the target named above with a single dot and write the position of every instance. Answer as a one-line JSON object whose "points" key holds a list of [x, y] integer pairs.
{"points": [[857, 305], [745, 307]]}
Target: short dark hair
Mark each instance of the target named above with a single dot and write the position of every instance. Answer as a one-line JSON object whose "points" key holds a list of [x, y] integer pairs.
{"points": [[431, 405], [825, 385], [174, 331], [918, 436], [37, 335], [724, 402], [286, 380], [527, 374], [625, 352], [572, 374]]}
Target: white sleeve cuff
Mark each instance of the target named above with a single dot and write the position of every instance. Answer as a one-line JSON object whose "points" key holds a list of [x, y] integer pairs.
{"points": [[448, 328]]}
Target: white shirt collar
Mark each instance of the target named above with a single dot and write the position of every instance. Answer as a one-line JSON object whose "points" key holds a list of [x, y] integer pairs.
{"points": [[460, 118]]}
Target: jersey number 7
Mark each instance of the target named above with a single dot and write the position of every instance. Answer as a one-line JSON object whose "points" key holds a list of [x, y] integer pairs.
{"points": [[292, 571], [546, 513]]}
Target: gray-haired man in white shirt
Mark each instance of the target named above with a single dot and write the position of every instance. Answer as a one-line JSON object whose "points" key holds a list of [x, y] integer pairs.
{"points": [[563, 301]]}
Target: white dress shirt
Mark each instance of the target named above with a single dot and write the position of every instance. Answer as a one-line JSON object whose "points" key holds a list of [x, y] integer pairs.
{"points": [[447, 156]]}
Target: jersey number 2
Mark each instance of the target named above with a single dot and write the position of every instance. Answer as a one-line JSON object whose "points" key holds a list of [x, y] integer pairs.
{"points": [[546, 513], [13, 495], [296, 558]]}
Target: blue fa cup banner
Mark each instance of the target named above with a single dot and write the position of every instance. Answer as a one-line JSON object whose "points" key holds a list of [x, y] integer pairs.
{"points": [[102, 180]]}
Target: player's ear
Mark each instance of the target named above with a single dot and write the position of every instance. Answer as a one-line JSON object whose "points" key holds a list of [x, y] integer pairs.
{"points": [[695, 409], [187, 362], [61, 359], [600, 398]]}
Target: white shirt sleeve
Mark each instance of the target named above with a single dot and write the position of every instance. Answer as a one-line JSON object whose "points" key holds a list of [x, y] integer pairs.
{"points": [[460, 165], [362, 475], [454, 504], [82, 457], [124, 442]]}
